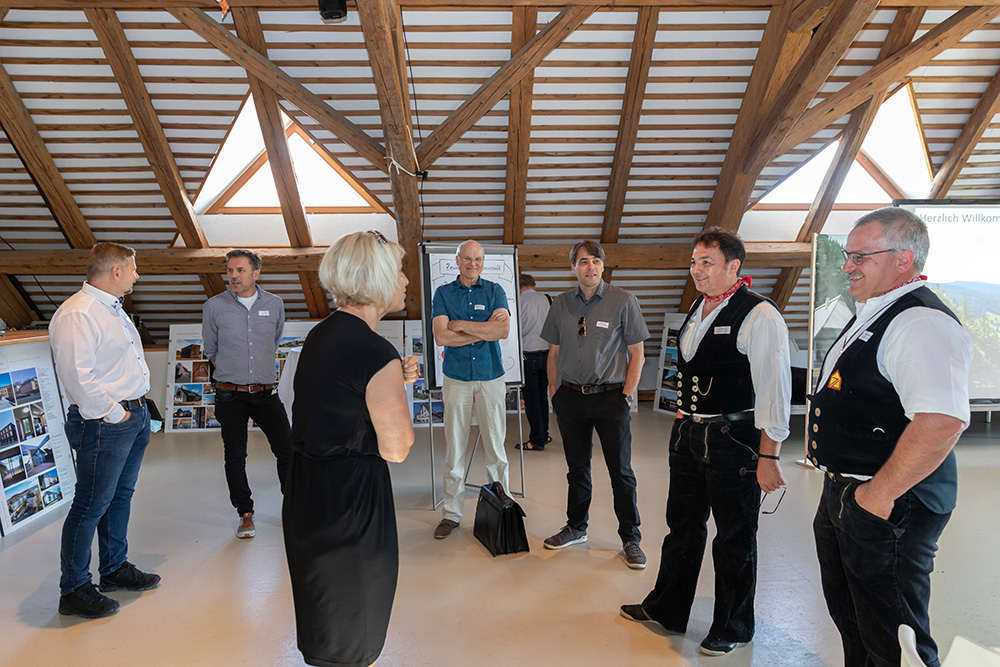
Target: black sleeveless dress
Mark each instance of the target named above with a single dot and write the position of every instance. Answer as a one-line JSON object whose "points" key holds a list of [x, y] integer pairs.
{"points": [[338, 514]]}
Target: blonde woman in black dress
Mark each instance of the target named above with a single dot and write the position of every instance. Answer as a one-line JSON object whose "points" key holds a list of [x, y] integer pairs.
{"points": [[349, 418]]}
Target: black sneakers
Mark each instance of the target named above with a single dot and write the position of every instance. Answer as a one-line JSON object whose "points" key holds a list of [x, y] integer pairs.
{"points": [[87, 602], [715, 646], [130, 578]]}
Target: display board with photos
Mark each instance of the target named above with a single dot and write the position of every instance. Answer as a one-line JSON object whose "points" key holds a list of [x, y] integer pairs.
{"points": [[36, 463], [666, 390], [438, 268], [959, 270], [190, 394]]}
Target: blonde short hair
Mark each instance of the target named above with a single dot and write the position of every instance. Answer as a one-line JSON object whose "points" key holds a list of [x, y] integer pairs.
{"points": [[105, 256], [361, 269]]}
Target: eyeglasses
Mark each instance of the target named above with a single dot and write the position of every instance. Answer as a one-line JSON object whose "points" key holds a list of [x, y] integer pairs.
{"points": [[583, 326], [858, 258], [477, 260], [379, 235], [775, 508]]}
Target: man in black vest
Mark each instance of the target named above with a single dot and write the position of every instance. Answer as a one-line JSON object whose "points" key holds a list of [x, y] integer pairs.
{"points": [[733, 399], [890, 404]]}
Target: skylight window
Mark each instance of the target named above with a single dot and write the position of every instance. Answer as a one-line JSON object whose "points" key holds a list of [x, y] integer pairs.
{"points": [[241, 181], [893, 144]]}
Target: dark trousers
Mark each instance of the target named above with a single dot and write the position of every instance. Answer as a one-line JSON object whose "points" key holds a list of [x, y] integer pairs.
{"points": [[234, 409], [712, 468], [536, 396], [877, 574], [578, 416], [108, 457]]}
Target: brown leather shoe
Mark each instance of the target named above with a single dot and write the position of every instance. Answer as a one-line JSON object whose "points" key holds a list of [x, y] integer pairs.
{"points": [[444, 529]]}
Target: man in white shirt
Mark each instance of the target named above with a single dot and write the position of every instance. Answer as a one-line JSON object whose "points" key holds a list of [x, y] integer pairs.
{"points": [[891, 403], [100, 362], [534, 308], [734, 401]]}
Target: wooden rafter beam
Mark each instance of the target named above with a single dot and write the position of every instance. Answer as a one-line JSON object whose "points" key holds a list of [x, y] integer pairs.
{"points": [[248, 29], [498, 85], [16, 310], [186, 261], [807, 14], [282, 84], [936, 40], [118, 53], [832, 40], [628, 125], [901, 33], [381, 23], [524, 26], [30, 147], [779, 50], [722, 5], [972, 132]]}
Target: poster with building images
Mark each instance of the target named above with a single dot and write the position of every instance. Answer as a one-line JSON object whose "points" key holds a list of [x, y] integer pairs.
{"points": [[425, 405], [36, 464], [666, 391], [190, 394]]}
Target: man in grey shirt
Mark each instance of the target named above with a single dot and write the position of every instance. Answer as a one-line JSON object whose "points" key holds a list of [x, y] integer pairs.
{"points": [[534, 310], [596, 332], [241, 329]]}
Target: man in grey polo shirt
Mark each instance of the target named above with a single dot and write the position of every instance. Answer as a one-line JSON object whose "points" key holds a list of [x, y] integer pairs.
{"points": [[241, 329], [596, 332]]}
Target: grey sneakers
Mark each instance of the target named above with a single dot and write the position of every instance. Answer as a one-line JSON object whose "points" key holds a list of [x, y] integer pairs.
{"points": [[634, 557], [566, 537]]}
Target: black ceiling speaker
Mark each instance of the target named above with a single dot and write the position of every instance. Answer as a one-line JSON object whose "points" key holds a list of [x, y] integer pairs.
{"points": [[333, 11]]}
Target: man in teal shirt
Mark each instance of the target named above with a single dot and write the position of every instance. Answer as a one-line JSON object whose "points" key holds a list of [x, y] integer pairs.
{"points": [[470, 316]]}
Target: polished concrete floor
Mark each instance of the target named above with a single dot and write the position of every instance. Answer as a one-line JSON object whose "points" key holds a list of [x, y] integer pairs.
{"points": [[225, 601]]}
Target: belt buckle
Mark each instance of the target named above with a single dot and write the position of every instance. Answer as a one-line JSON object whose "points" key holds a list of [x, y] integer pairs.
{"points": [[587, 389], [697, 420]]}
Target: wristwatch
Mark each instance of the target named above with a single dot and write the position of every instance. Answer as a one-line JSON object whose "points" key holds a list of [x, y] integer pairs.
{"points": [[628, 399]]}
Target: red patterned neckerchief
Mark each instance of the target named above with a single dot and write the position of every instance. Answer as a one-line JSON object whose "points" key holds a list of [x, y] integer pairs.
{"points": [[745, 280], [911, 280]]}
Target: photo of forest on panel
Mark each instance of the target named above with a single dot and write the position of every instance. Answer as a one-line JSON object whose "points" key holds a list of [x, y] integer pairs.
{"points": [[958, 268]]}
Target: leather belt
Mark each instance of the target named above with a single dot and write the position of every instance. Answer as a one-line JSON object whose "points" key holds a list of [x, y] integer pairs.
{"points": [[731, 417], [250, 388], [545, 352], [133, 403], [593, 388], [847, 479]]}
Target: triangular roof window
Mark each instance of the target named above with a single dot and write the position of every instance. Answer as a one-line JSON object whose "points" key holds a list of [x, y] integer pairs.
{"points": [[892, 164], [325, 186]]}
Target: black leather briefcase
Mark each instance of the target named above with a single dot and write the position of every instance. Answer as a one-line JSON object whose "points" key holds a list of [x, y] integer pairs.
{"points": [[499, 521]]}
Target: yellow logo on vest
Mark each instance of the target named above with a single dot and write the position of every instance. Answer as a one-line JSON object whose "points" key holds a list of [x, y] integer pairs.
{"points": [[835, 381]]}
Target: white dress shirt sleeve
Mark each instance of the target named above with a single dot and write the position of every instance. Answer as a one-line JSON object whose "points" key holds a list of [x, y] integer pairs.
{"points": [[927, 355], [763, 337], [74, 345]]}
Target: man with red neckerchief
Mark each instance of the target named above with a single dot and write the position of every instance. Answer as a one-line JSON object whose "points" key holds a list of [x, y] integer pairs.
{"points": [[734, 400], [891, 402]]}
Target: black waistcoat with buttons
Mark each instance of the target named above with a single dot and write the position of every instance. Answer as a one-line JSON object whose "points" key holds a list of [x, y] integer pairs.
{"points": [[717, 379], [856, 418]]}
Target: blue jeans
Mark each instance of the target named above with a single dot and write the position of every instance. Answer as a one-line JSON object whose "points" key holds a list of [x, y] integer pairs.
{"points": [[876, 573], [713, 467], [536, 396], [108, 457]]}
